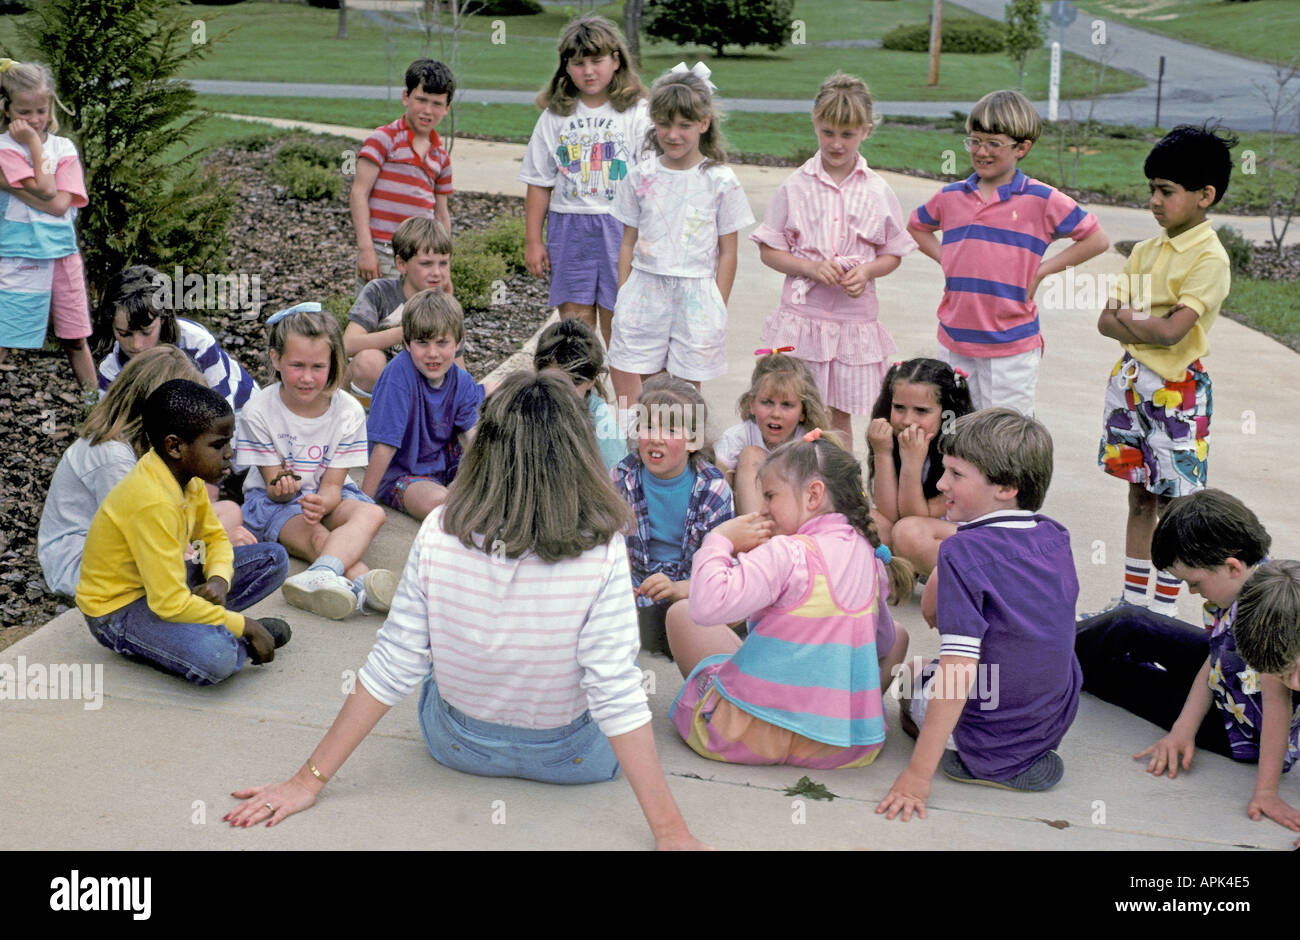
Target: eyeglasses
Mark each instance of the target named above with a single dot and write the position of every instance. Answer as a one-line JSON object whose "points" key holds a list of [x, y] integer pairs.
{"points": [[992, 146]]}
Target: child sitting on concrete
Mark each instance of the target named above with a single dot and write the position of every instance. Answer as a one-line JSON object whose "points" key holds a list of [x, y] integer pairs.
{"points": [[1002, 598], [423, 409], [159, 579]]}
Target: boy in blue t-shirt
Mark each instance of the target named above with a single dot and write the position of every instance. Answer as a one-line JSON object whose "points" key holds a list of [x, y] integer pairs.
{"points": [[423, 410]]}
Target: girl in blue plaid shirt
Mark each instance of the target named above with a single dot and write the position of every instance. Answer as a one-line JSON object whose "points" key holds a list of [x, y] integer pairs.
{"points": [[676, 496]]}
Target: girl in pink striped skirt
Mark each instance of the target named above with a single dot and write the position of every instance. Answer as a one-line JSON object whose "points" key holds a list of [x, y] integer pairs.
{"points": [[832, 228]]}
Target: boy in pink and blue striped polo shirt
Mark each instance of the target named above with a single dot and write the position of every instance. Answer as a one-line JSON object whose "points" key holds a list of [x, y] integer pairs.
{"points": [[997, 224]]}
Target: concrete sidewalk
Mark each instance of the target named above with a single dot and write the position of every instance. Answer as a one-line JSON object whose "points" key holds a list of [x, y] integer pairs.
{"points": [[152, 768]]}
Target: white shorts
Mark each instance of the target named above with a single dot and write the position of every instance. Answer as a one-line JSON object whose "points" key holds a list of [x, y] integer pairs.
{"points": [[677, 323], [999, 382]]}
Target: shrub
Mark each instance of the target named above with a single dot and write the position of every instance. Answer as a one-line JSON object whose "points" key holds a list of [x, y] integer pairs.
{"points": [[960, 34], [506, 238], [715, 23], [473, 269], [500, 7], [1241, 252], [307, 171]]}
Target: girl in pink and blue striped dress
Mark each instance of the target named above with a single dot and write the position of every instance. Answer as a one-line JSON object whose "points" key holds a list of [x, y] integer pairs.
{"points": [[804, 687]]}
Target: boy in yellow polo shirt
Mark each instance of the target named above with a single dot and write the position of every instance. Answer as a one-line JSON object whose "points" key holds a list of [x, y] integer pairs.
{"points": [[160, 580], [1158, 403]]}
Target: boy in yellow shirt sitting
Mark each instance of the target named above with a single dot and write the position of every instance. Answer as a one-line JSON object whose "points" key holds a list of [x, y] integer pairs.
{"points": [[160, 580]]}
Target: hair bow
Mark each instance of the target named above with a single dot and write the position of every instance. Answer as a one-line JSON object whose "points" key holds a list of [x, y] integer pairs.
{"points": [[884, 554], [962, 372], [7, 64], [773, 352], [814, 435], [309, 306], [699, 70]]}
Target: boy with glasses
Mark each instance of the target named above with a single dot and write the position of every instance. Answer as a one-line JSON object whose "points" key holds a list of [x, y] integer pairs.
{"points": [[997, 224]]}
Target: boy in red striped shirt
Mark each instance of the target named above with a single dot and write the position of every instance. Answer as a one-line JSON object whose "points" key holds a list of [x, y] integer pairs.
{"points": [[997, 224], [403, 170]]}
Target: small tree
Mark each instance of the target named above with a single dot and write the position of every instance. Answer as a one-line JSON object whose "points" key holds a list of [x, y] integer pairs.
{"points": [[114, 61], [1025, 33], [1282, 196], [715, 23]]}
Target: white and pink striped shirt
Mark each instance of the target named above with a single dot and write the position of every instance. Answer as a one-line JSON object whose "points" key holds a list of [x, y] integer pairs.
{"points": [[515, 641], [408, 185]]}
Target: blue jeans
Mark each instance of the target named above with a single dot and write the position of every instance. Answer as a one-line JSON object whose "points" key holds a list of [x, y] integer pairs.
{"points": [[576, 753], [203, 653], [1146, 663]]}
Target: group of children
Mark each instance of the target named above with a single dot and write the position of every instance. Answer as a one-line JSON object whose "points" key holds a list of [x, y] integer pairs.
{"points": [[764, 564]]}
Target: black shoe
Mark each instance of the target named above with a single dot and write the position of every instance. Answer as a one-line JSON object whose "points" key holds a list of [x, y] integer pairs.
{"points": [[280, 630]]}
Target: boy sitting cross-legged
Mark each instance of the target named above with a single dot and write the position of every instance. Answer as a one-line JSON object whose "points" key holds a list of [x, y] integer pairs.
{"points": [[422, 253], [160, 580], [1002, 598], [423, 410]]}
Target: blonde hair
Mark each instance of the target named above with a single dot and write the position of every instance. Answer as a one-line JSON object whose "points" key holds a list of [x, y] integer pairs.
{"points": [[119, 416], [430, 314], [532, 479], [19, 77], [586, 37], [789, 373], [843, 101], [686, 95], [1005, 112], [313, 324]]}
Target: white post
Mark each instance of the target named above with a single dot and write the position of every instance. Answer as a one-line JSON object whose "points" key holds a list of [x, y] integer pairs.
{"points": [[1054, 83]]}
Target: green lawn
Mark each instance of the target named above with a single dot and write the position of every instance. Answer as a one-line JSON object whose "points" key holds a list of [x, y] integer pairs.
{"points": [[1271, 307], [1262, 29], [1111, 166], [290, 42]]}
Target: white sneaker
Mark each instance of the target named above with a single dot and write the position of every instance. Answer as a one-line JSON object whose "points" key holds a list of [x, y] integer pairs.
{"points": [[377, 589], [321, 592]]}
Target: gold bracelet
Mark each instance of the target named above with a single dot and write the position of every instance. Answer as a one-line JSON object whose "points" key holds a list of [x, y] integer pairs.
{"points": [[311, 765]]}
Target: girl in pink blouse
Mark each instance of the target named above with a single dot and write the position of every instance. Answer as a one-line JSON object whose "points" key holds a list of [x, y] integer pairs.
{"points": [[832, 228]]}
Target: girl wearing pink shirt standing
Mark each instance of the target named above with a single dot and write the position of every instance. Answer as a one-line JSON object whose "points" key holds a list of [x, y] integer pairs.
{"points": [[832, 228], [804, 687]]}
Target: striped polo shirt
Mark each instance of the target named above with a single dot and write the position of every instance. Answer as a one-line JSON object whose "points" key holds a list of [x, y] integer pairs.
{"points": [[991, 252], [407, 186]]}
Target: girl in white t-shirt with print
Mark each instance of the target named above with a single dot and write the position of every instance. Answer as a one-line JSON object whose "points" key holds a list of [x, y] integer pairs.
{"points": [[302, 435], [593, 126], [682, 210]]}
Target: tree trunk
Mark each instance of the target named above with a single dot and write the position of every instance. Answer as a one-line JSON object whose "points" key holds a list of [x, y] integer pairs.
{"points": [[632, 29], [936, 40], [343, 20]]}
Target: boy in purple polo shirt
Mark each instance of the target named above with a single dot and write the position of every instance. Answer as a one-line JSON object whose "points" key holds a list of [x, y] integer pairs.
{"points": [[423, 410], [403, 170], [997, 223], [1006, 685]]}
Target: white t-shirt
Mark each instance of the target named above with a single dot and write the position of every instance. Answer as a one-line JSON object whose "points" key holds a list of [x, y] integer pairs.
{"points": [[584, 158], [270, 435], [81, 482], [736, 438], [679, 215]]}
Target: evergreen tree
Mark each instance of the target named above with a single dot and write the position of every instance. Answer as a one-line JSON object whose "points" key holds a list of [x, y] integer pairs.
{"points": [[716, 23], [114, 62]]}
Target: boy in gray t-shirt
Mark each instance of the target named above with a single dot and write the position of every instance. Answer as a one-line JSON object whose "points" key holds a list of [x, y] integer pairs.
{"points": [[422, 250]]}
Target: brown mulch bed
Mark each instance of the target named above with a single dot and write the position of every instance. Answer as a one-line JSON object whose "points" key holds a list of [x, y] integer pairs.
{"points": [[300, 251]]}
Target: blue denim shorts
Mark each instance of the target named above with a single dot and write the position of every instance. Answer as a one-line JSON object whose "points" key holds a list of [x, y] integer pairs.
{"points": [[264, 517], [575, 753]]}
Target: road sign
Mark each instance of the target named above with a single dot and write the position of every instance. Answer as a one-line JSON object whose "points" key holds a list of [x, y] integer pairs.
{"points": [[1063, 13]]}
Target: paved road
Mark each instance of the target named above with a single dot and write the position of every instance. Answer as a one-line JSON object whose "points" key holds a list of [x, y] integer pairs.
{"points": [[1199, 83]]}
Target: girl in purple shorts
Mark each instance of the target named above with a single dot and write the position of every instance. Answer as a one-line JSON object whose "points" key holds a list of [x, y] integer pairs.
{"points": [[592, 126]]}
